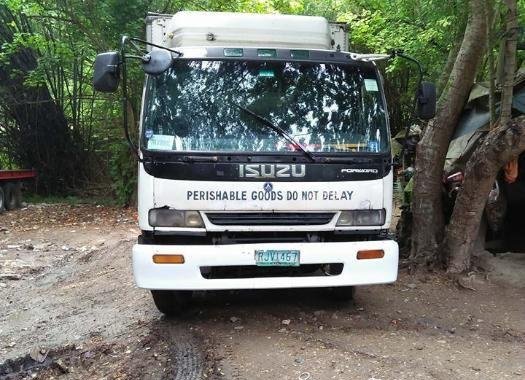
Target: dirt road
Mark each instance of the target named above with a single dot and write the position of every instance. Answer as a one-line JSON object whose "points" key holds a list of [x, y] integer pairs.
{"points": [[69, 310]]}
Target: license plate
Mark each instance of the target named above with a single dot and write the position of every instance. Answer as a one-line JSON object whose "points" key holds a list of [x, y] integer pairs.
{"points": [[274, 257]]}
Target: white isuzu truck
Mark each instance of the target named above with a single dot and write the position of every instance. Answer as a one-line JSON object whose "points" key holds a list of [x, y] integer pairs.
{"points": [[264, 156]]}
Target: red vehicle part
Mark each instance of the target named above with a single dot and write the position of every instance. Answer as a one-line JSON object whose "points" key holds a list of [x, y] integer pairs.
{"points": [[14, 175], [11, 187]]}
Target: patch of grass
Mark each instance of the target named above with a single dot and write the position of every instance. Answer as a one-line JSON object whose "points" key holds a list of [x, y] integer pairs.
{"points": [[70, 200]]}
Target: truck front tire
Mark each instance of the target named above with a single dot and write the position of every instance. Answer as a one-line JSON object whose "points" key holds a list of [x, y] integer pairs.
{"points": [[171, 302]]}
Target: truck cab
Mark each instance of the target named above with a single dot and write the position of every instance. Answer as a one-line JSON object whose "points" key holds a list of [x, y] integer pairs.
{"points": [[265, 159]]}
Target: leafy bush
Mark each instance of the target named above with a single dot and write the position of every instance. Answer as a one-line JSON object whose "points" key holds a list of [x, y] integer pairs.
{"points": [[123, 172]]}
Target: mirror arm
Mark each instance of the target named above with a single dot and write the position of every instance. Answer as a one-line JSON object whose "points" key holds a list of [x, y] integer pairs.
{"points": [[123, 42], [134, 39], [400, 54]]}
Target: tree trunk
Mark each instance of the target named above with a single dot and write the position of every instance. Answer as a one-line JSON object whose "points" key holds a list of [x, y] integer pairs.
{"points": [[509, 61], [500, 146], [441, 85], [431, 151], [491, 21], [444, 79]]}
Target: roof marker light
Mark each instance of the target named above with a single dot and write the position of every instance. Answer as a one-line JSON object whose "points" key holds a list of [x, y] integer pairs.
{"points": [[270, 53], [233, 52], [299, 54]]}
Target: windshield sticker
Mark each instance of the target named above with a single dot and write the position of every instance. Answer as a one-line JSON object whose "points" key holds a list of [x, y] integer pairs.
{"points": [[266, 73], [148, 133], [371, 85], [373, 146], [161, 142]]}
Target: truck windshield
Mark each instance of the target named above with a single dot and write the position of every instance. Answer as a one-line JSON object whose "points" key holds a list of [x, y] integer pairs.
{"points": [[197, 106]]}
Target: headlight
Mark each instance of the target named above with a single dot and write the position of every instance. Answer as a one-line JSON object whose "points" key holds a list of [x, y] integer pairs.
{"points": [[362, 218], [165, 217]]}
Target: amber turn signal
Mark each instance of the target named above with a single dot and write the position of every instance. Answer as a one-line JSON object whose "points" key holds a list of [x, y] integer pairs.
{"points": [[370, 254], [168, 259]]}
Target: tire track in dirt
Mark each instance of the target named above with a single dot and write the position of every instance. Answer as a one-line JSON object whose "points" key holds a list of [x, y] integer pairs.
{"points": [[189, 358], [230, 368], [188, 352]]}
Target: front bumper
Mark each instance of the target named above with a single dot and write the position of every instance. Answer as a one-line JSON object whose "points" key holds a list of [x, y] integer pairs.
{"points": [[188, 276]]}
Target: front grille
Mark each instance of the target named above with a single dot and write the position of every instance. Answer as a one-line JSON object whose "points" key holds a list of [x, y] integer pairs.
{"points": [[270, 218]]}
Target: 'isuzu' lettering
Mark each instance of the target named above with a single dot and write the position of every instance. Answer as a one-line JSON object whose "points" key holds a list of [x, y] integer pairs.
{"points": [[272, 170]]}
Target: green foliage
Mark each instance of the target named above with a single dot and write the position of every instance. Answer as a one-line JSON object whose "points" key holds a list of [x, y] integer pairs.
{"points": [[4, 161], [123, 172], [423, 29]]}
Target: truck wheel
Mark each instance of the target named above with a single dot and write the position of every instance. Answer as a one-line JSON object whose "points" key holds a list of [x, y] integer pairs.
{"points": [[342, 293], [10, 196], [171, 302], [2, 200]]}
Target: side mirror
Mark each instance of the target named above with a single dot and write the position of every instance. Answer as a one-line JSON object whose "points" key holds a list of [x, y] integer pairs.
{"points": [[107, 74], [157, 61], [426, 101]]}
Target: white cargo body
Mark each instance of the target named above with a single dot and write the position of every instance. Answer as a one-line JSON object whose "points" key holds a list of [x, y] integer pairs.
{"points": [[235, 207]]}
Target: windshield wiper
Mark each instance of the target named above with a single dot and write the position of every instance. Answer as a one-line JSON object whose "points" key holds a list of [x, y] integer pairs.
{"points": [[277, 129]]}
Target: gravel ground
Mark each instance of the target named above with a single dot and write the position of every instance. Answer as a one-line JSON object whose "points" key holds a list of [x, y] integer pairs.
{"points": [[69, 310]]}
